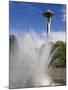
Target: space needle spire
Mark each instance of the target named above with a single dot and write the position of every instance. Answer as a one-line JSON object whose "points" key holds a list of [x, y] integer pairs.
{"points": [[48, 14]]}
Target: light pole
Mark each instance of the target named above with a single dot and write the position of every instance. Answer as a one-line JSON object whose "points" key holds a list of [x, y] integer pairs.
{"points": [[48, 14]]}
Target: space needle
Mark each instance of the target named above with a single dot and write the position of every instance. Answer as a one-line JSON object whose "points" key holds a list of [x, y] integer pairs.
{"points": [[48, 14]]}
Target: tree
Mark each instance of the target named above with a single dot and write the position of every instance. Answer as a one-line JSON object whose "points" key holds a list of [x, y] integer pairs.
{"points": [[59, 57]]}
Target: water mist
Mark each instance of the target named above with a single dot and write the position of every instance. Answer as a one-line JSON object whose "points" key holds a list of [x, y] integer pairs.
{"points": [[28, 65]]}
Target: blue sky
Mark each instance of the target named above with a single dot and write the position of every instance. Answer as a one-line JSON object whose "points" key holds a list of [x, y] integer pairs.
{"points": [[24, 16]]}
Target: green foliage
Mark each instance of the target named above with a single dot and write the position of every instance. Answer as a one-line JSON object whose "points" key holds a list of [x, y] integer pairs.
{"points": [[59, 57]]}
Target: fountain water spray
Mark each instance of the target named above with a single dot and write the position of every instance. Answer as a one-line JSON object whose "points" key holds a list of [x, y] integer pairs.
{"points": [[29, 65]]}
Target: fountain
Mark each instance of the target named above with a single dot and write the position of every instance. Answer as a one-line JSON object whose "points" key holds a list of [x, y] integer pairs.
{"points": [[28, 66]]}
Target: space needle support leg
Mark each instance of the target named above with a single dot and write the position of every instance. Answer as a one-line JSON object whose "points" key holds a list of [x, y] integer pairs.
{"points": [[48, 26]]}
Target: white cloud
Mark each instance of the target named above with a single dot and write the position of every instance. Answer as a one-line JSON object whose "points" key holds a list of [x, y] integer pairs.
{"points": [[58, 36], [55, 36]]}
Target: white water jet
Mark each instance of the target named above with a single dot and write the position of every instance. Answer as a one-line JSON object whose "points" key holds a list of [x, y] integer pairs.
{"points": [[29, 64]]}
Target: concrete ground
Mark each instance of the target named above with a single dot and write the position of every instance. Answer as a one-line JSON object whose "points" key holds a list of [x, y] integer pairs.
{"points": [[58, 75]]}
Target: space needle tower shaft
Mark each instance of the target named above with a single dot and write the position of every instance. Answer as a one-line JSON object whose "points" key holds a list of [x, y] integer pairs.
{"points": [[48, 14]]}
